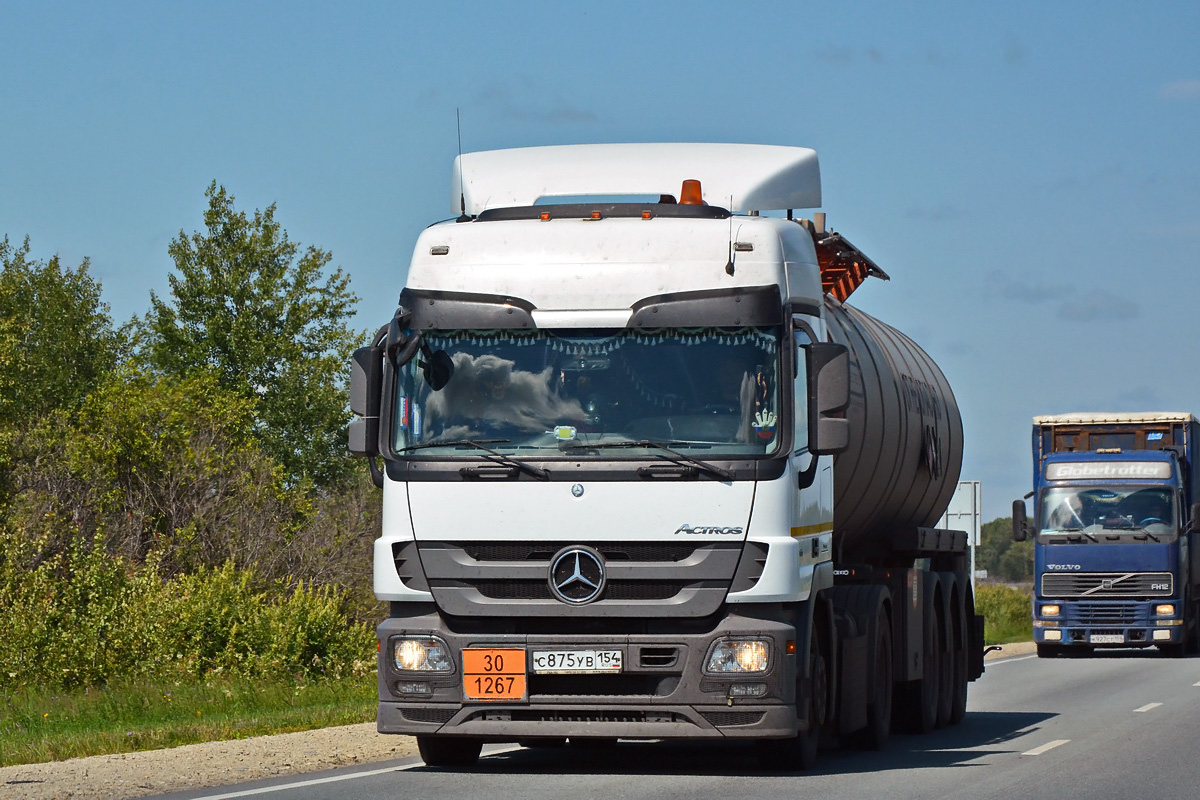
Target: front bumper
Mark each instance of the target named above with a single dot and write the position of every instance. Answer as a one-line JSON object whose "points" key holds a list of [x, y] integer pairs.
{"points": [[1108, 624], [661, 692]]}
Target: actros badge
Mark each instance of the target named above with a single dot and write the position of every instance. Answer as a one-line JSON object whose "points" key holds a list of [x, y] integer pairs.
{"points": [[577, 575]]}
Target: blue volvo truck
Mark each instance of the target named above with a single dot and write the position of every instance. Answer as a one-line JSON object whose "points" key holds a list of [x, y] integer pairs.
{"points": [[1116, 561]]}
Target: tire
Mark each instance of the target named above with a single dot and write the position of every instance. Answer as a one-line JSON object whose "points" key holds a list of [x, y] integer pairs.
{"points": [[1045, 650], [922, 697], [449, 751], [958, 708], [946, 671], [879, 713], [799, 753]]}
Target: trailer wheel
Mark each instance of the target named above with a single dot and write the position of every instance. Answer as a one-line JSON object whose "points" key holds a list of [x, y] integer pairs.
{"points": [[449, 751], [946, 660], [958, 709]]}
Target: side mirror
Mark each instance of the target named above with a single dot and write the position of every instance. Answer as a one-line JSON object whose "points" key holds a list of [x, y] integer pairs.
{"points": [[366, 389], [828, 397], [1020, 521]]}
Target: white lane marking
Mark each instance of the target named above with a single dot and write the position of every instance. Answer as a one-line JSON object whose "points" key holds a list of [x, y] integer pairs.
{"points": [[332, 779], [312, 782], [1197, 683], [1013, 659], [1146, 707], [1037, 751]]}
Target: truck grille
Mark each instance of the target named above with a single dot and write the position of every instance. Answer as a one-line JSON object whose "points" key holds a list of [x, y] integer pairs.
{"points": [[1108, 584], [511, 579], [540, 590], [1105, 614]]}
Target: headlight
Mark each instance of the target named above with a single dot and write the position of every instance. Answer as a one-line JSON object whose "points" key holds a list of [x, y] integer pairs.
{"points": [[1165, 609], [1051, 610], [739, 655], [421, 654]]}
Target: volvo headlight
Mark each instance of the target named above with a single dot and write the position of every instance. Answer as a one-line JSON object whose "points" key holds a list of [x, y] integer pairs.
{"points": [[739, 656], [421, 654], [1165, 609], [1051, 610]]}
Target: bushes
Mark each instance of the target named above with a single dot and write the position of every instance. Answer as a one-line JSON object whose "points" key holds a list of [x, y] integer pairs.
{"points": [[83, 618], [1008, 611]]}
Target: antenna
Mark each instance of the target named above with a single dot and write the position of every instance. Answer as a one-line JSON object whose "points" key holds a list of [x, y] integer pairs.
{"points": [[729, 263], [462, 193]]}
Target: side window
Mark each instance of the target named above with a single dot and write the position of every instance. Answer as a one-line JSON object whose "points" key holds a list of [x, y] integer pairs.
{"points": [[802, 337]]}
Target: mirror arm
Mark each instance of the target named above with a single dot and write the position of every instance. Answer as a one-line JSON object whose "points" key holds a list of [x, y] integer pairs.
{"points": [[376, 472]]}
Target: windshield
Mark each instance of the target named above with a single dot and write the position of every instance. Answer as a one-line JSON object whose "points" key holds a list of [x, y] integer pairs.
{"points": [[1108, 510], [549, 393]]}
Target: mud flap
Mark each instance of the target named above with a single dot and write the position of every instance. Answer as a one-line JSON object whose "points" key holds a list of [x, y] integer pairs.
{"points": [[852, 677], [975, 649]]}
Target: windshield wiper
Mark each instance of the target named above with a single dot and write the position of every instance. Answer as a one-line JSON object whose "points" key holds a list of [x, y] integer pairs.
{"points": [[481, 444], [679, 458], [1149, 534]]}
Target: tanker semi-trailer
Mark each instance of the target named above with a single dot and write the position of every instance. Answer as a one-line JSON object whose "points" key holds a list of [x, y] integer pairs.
{"points": [[646, 475]]}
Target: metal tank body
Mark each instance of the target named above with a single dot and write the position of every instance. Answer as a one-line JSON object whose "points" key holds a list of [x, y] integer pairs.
{"points": [[906, 438]]}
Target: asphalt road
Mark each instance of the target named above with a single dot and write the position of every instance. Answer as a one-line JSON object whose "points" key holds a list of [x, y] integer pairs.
{"points": [[1123, 724]]}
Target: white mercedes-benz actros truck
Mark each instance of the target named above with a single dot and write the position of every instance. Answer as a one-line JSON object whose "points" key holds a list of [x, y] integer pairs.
{"points": [[647, 476]]}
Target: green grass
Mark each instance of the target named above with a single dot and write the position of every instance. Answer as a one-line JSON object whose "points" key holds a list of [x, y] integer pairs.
{"points": [[49, 725], [1008, 613]]}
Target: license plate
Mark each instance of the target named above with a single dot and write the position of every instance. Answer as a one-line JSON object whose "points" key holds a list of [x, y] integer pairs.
{"points": [[1106, 638], [494, 673], [574, 661]]}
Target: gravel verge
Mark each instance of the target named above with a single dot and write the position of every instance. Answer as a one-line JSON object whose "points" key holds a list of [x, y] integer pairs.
{"points": [[196, 766]]}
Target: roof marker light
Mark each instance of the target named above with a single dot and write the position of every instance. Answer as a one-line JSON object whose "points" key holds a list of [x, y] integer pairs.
{"points": [[545, 215], [691, 194]]}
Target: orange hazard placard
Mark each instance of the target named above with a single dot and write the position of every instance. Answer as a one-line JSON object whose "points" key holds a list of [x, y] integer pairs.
{"points": [[494, 673]]}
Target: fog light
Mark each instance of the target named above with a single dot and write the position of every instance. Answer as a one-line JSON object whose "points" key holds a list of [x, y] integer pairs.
{"points": [[1052, 636], [739, 655], [421, 654], [1051, 610], [1165, 609], [747, 690], [1162, 636]]}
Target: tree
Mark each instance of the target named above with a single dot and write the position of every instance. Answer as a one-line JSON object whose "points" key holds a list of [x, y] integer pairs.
{"points": [[248, 306], [56, 338], [1003, 558]]}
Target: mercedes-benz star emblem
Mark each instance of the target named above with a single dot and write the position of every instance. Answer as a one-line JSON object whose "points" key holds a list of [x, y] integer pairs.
{"points": [[577, 575]]}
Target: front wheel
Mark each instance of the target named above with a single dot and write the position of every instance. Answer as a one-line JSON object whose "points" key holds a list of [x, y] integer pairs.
{"points": [[449, 751], [800, 752], [1051, 650]]}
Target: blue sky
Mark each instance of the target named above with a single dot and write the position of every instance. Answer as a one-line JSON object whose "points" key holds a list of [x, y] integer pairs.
{"points": [[1027, 172]]}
